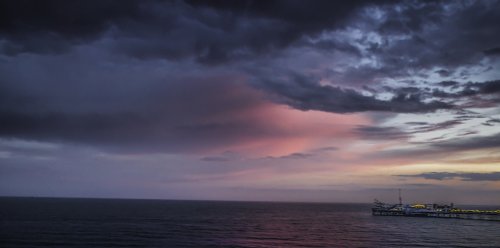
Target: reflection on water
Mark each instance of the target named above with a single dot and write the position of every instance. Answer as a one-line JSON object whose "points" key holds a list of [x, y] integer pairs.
{"points": [[44, 222]]}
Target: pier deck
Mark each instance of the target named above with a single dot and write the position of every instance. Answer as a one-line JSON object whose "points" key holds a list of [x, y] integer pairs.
{"points": [[454, 214]]}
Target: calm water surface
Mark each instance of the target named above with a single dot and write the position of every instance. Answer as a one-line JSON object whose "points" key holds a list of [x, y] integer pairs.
{"points": [[52, 222]]}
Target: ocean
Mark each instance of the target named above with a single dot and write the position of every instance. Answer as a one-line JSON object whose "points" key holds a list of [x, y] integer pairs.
{"points": [[71, 222]]}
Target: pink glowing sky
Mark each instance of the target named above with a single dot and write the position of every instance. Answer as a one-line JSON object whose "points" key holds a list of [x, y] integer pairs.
{"points": [[272, 101]]}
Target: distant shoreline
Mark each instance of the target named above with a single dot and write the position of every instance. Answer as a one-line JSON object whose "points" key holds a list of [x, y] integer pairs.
{"points": [[209, 200]]}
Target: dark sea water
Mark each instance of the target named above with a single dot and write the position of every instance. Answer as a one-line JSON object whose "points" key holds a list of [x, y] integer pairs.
{"points": [[54, 222]]}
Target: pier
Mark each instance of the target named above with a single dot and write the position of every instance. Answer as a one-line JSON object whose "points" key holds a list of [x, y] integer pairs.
{"points": [[432, 211], [492, 215]]}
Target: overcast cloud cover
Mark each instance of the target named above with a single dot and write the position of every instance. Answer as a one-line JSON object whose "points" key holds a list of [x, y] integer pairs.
{"points": [[230, 99]]}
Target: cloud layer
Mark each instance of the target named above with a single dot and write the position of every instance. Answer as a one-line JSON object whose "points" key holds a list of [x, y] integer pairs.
{"points": [[185, 75], [492, 176], [286, 92]]}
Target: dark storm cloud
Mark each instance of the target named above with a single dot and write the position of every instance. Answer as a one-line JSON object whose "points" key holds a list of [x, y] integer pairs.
{"points": [[55, 25], [448, 83], [411, 17], [394, 133], [417, 123], [217, 31], [326, 149], [492, 122], [440, 36], [384, 133], [491, 176], [443, 73], [475, 94], [307, 94], [210, 31], [491, 141], [159, 121], [475, 88], [440, 147], [436, 126], [296, 155], [492, 51], [215, 159], [490, 87], [466, 133], [305, 155]]}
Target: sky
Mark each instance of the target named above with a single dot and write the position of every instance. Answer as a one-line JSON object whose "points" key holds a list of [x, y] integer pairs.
{"points": [[321, 101]]}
